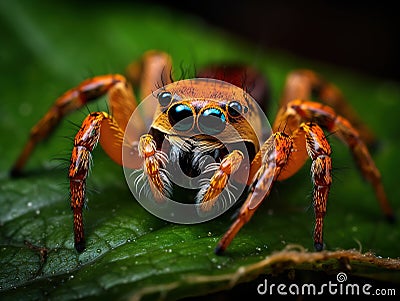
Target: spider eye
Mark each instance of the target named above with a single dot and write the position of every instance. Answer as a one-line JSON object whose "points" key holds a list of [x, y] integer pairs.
{"points": [[181, 117], [212, 121], [164, 98], [235, 109]]}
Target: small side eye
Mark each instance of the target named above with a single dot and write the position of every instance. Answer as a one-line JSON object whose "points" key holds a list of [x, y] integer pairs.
{"points": [[235, 109], [164, 98]]}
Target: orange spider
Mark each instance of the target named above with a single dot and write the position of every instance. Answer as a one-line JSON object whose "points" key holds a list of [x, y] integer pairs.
{"points": [[208, 113]]}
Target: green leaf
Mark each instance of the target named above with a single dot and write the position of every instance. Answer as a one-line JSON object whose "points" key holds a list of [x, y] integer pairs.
{"points": [[130, 253]]}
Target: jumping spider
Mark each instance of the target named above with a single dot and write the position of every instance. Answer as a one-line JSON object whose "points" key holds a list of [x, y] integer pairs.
{"points": [[298, 133]]}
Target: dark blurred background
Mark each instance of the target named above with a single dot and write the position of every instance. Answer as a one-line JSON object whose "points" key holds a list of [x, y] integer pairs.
{"points": [[361, 35]]}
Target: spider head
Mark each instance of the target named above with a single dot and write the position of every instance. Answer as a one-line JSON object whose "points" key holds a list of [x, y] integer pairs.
{"points": [[206, 108]]}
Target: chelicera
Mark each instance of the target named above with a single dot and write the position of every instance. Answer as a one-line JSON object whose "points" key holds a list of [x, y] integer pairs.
{"points": [[298, 133]]}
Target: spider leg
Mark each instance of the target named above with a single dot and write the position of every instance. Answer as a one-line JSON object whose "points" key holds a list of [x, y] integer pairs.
{"points": [[121, 100], [273, 162], [298, 111], [306, 84], [208, 195], [102, 127], [153, 167], [71, 100], [85, 141], [269, 162], [152, 71], [319, 151]]}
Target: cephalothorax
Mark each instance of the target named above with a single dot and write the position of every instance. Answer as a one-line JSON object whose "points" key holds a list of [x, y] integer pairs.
{"points": [[191, 123]]}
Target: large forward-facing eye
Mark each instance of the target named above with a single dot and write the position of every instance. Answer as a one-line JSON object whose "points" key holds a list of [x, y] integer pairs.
{"points": [[212, 121], [181, 117]]}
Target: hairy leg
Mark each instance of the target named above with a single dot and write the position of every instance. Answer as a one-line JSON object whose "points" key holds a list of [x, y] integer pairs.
{"points": [[208, 195], [308, 85], [70, 101], [276, 153], [85, 141], [269, 162]]}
